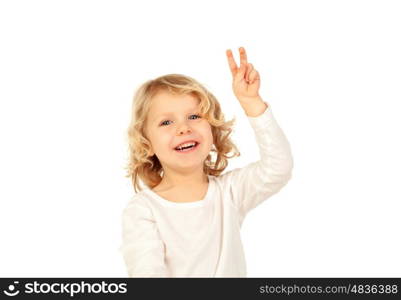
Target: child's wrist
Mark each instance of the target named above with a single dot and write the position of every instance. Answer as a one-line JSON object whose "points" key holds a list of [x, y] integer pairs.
{"points": [[253, 107]]}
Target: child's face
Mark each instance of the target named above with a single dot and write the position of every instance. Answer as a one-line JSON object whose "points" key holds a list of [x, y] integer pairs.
{"points": [[172, 120]]}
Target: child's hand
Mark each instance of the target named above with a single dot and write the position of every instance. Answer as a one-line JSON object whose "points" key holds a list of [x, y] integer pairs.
{"points": [[246, 80]]}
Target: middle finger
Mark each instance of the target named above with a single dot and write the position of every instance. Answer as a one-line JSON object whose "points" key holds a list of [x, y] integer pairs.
{"points": [[242, 56]]}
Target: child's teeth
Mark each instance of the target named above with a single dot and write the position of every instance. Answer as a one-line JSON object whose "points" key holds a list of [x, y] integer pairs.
{"points": [[186, 145]]}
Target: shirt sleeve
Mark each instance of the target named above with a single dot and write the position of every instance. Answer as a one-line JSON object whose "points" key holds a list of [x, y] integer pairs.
{"points": [[257, 181], [142, 248]]}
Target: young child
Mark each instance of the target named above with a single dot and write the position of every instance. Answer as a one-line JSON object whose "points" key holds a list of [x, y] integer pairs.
{"points": [[186, 221]]}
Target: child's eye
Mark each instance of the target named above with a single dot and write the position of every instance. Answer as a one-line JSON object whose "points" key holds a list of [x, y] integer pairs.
{"points": [[164, 122], [196, 116]]}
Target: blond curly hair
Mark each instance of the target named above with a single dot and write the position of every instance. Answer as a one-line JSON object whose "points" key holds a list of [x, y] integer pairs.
{"points": [[148, 168]]}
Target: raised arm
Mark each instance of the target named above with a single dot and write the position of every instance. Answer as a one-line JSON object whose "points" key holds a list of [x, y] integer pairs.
{"points": [[259, 180]]}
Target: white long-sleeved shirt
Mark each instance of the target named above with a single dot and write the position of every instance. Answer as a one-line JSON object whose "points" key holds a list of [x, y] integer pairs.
{"points": [[162, 238]]}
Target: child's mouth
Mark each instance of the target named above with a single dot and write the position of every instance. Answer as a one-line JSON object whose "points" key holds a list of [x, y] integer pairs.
{"points": [[188, 149]]}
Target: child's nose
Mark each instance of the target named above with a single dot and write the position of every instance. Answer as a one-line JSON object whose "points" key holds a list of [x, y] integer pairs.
{"points": [[184, 128]]}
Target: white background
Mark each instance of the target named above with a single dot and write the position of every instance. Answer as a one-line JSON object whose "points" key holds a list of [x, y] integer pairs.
{"points": [[331, 71]]}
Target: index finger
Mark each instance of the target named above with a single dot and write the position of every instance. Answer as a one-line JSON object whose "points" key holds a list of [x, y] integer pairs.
{"points": [[231, 62]]}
